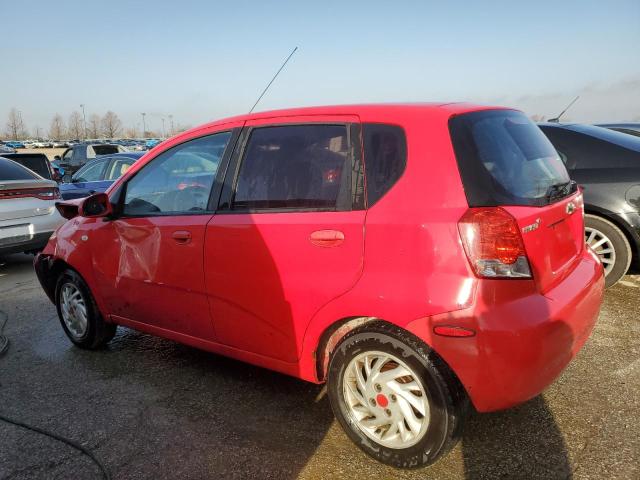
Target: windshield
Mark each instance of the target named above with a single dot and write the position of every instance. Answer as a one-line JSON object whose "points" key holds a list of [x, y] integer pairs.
{"points": [[504, 159]]}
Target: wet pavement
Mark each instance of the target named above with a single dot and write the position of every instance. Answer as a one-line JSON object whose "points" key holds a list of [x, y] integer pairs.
{"points": [[151, 408]]}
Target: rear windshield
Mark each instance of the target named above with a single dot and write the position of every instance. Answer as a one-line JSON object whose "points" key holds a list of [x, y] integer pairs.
{"points": [[37, 163], [504, 159], [12, 171], [105, 149]]}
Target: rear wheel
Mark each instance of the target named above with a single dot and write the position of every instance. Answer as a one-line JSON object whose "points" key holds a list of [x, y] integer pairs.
{"points": [[79, 314], [610, 244], [394, 397]]}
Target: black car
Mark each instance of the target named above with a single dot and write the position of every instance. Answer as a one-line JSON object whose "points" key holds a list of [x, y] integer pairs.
{"points": [[630, 128], [607, 164], [36, 162], [76, 156]]}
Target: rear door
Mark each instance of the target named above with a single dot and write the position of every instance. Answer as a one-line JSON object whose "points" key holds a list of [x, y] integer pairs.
{"points": [[288, 236], [506, 161]]}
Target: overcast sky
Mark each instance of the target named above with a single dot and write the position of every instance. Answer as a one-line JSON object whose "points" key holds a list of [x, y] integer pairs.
{"points": [[202, 60]]}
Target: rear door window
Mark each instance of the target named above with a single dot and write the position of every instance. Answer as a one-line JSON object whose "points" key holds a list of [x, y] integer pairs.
{"points": [[295, 167], [505, 159]]}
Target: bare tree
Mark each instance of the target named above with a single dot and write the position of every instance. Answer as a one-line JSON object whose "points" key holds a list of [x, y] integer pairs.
{"points": [[56, 129], [111, 125], [75, 127], [131, 132], [15, 126], [93, 128]]}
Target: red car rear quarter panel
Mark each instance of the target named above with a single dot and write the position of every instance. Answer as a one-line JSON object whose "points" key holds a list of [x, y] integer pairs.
{"points": [[414, 263], [524, 339]]}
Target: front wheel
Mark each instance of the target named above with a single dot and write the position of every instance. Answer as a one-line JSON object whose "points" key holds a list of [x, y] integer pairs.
{"points": [[394, 397], [79, 313], [610, 244]]}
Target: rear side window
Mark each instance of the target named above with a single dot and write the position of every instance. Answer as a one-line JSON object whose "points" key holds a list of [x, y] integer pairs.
{"points": [[505, 159], [12, 171], [583, 151], [385, 158], [295, 167]]}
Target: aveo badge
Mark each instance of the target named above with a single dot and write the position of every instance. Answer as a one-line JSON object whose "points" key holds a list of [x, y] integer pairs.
{"points": [[532, 227]]}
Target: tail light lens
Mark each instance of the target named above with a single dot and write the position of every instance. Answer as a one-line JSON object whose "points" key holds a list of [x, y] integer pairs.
{"points": [[47, 193], [493, 243]]}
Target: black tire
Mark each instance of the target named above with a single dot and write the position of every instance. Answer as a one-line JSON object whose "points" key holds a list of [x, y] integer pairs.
{"points": [[448, 402], [619, 243], [98, 332]]}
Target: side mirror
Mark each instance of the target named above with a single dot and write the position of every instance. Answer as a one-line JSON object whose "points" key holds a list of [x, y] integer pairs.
{"points": [[96, 206]]}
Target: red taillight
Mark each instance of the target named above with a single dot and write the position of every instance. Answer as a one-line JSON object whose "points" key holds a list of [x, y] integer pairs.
{"points": [[47, 193], [493, 243]]}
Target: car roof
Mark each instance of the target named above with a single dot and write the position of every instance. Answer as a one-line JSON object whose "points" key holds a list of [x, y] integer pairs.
{"points": [[618, 138], [365, 111]]}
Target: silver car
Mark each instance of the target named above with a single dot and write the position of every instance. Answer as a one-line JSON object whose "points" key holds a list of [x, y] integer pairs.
{"points": [[28, 215]]}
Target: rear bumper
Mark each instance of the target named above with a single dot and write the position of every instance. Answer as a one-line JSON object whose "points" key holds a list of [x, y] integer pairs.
{"points": [[36, 241], [524, 339]]}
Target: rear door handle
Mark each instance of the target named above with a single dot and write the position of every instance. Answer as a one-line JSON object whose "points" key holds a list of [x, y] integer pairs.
{"points": [[181, 236], [326, 238]]}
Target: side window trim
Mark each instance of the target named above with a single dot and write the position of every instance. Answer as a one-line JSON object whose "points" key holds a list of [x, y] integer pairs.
{"points": [[354, 134], [121, 191]]}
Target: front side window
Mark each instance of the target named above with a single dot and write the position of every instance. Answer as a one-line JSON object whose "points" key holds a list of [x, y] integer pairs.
{"points": [[178, 180], [91, 172], [295, 167]]}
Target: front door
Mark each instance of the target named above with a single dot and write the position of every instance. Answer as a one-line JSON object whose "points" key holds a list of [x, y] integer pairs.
{"points": [[289, 236], [150, 260]]}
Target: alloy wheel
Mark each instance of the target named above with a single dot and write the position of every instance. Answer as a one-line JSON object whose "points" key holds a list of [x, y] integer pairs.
{"points": [[386, 399], [601, 244], [74, 310]]}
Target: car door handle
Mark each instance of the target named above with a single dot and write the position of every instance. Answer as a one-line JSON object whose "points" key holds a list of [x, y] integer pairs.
{"points": [[326, 238], [181, 236]]}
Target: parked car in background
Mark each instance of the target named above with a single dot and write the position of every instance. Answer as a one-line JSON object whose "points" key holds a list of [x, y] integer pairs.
{"points": [[42, 144], [630, 128], [28, 215], [5, 149], [152, 142], [607, 164], [76, 156], [59, 144], [14, 144], [247, 237], [98, 174], [36, 162]]}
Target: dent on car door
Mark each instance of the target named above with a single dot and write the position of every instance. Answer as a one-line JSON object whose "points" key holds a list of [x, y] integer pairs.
{"points": [[150, 259], [289, 237]]}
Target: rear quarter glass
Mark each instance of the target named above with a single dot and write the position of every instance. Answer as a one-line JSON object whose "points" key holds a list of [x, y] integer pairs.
{"points": [[504, 159]]}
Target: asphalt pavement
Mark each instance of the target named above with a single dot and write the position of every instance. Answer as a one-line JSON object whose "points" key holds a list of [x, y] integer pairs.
{"points": [[150, 408]]}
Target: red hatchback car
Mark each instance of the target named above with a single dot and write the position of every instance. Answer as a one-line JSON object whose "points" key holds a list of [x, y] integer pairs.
{"points": [[414, 257]]}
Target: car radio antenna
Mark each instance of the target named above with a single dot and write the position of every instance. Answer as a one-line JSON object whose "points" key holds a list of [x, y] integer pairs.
{"points": [[272, 80], [557, 119]]}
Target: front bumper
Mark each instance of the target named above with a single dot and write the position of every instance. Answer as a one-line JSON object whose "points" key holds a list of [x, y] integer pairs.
{"points": [[524, 339]]}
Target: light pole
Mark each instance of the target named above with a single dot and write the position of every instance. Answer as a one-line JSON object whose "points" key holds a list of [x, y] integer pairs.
{"points": [[163, 135], [84, 121], [171, 125], [144, 126]]}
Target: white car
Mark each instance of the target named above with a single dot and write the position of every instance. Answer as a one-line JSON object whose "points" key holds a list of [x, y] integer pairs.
{"points": [[28, 215]]}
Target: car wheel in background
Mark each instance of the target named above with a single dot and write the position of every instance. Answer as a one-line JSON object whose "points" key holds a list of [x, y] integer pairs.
{"points": [[79, 314], [394, 397], [611, 245]]}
